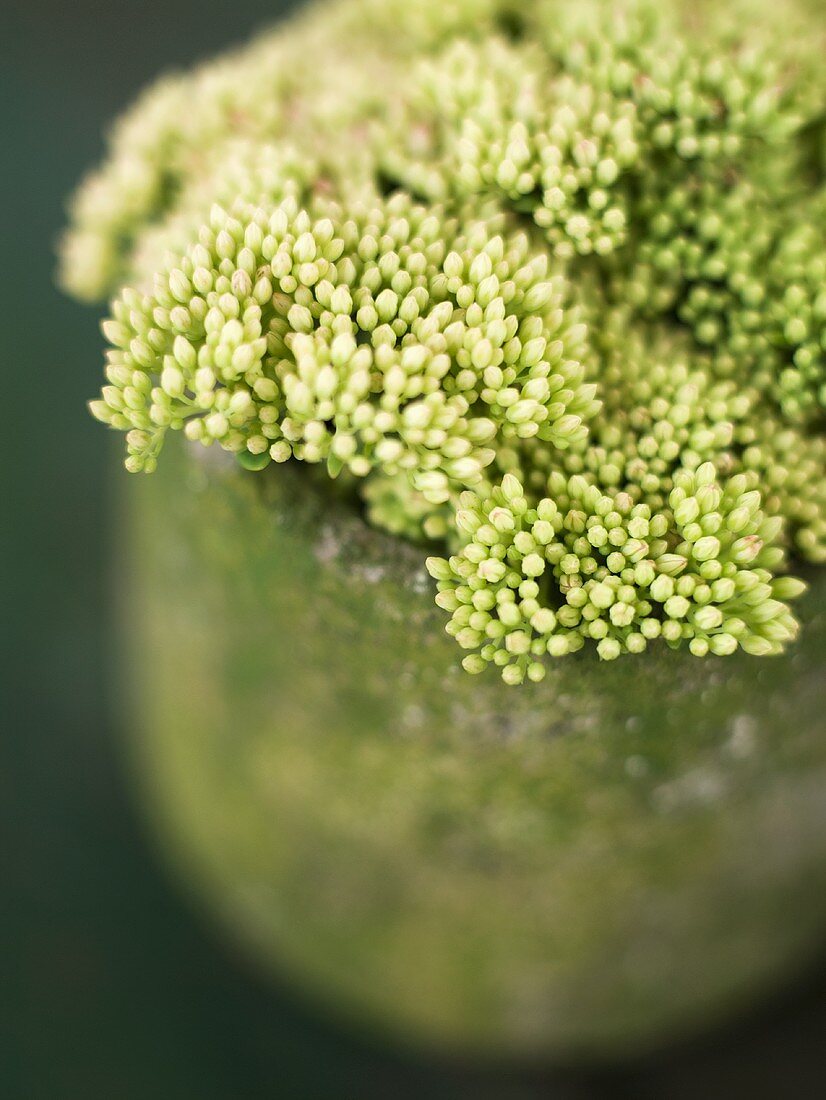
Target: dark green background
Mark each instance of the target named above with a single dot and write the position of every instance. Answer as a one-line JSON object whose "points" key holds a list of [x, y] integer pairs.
{"points": [[111, 983]]}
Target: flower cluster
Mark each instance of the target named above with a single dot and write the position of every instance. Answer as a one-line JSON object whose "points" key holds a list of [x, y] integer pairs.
{"points": [[385, 338], [585, 565], [544, 284], [491, 118]]}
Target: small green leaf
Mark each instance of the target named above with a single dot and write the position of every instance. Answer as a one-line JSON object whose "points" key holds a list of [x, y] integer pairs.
{"points": [[254, 462]]}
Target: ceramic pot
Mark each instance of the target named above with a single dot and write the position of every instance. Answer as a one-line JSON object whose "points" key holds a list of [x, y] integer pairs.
{"points": [[594, 865]]}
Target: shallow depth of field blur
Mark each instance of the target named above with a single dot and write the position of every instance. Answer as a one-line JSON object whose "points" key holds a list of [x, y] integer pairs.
{"points": [[116, 981]]}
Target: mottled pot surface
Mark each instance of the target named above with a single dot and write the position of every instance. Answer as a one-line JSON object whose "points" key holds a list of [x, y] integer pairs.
{"points": [[621, 854]]}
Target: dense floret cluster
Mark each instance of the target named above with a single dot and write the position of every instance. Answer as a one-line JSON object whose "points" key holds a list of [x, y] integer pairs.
{"points": [[583, 564], [544, 284]]}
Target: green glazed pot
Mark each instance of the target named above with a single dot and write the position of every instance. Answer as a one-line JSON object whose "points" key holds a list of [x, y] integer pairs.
{"points": [[620, 855]]}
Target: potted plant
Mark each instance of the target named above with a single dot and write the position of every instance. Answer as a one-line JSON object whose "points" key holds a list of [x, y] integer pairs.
{"points": [[523, 310]]}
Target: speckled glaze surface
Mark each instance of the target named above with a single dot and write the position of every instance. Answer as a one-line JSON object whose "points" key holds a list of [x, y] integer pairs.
{"points": [[622, 854]]}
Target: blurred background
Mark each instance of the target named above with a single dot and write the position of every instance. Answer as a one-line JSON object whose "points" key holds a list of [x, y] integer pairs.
{"points": [[112, 984]]}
